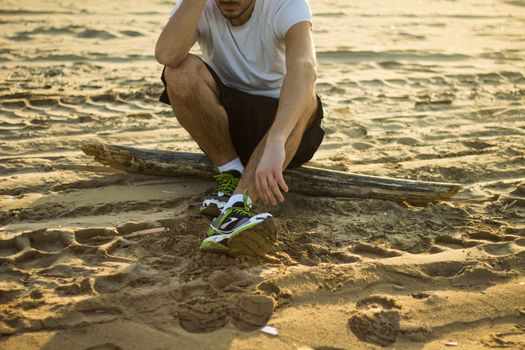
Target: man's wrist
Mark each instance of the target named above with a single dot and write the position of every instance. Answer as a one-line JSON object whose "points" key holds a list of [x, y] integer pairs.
{"points": [[276, 138]]}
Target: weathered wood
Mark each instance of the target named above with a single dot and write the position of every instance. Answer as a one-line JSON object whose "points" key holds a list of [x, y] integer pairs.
{"points": [[306, 180]]}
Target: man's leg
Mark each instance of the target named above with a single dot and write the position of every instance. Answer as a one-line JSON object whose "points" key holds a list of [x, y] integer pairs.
{"points": [[238, 230], [247, 182], [194, 98]]}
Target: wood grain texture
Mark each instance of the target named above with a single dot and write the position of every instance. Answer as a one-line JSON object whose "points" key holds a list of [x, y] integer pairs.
{"points": [[305, 180]]}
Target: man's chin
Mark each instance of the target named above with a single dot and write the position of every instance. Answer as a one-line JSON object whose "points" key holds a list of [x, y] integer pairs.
{"points": [[230, 15]]}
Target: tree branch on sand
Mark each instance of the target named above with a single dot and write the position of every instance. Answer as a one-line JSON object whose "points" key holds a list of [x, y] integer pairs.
{"points": [[306, 180]]}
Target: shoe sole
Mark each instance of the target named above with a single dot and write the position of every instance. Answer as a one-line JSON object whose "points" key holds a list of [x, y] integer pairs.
{"points": [[213, 247], [256, 241]]}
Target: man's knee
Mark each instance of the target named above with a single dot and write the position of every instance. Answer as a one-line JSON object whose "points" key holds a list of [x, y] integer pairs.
{"points": [[182, 80], [312, 110]]}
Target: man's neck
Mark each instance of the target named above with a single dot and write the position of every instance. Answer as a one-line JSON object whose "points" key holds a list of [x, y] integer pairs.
{"points": [[244, 16]]}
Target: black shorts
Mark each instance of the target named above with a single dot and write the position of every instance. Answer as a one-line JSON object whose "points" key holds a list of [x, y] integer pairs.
{"points": [[251, 116]]}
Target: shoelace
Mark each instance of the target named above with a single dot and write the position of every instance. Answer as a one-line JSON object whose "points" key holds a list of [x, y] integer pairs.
{"points": [[226, 184], [245, 209]]}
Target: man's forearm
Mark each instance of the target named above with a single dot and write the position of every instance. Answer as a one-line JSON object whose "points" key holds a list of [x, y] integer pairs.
{"points": [[179, 35], [296, 93]]}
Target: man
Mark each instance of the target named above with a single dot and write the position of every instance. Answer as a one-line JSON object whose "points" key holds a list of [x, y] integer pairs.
{"points": [[249, 103]]}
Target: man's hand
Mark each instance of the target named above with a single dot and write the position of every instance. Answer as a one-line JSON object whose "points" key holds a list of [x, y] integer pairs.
{"points": [[269, 181]]}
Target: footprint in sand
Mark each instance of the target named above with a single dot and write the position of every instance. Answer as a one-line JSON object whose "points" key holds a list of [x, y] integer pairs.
{"points": [[481, 275], [44, 248], [203, 315], [443, 268], [486, 236], [252, 312], [134, 275], [376, 320], [374, 252], [248, 313], [500, 249], [35, 249], [455, 242], [95, 236], [465, 274]]}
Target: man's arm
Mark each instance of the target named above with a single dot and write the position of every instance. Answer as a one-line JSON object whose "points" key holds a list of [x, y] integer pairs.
{"points": [[296, 95], [179, 35]]}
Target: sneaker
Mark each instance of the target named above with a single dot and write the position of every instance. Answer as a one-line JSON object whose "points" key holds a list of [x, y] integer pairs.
{"points": [[239, 231], [226, 184]]}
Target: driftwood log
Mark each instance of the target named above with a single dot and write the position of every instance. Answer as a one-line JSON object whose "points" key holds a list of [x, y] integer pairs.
{"points": [[305, 180]]}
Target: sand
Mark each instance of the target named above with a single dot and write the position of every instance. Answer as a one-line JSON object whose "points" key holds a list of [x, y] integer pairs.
{"points": [[93, 258]]}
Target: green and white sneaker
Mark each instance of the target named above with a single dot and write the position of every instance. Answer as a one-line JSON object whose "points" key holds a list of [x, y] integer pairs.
{"points": [[239, 231], [226, 183]]}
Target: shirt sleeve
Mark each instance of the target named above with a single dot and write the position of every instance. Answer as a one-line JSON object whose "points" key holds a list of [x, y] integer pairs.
{"points": [[289, 13]]}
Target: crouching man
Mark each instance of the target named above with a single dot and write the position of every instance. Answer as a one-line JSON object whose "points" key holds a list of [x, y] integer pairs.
{"points": [[249, 103]]}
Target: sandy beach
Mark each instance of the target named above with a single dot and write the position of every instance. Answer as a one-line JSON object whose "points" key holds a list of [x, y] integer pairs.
{"points": [[95, 258]]}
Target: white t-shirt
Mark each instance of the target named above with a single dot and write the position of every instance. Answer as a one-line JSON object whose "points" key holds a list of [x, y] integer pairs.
{"points": [[251, 57]]}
